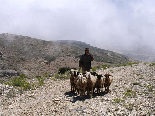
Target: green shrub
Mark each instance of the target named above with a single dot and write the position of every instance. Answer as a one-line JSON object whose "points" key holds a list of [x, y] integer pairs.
{"points": [[152, 64], [20, 82], [104, 66], [135, 83], [63, 70], [17, 81], [117, 100], [40, 80], [23, 76], [150, 88], [45, 75], [94, 69], [126, 64], [62, 76], [129, 106], [132, 63]]}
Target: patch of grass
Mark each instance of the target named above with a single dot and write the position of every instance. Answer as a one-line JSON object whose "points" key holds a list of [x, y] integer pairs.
{"points": [[99, 67], [129, 106], [53, 78], [152, 64], [146, 93], [116, 109], [66, 76], [138, 74], [118, 100], [1, 81], [126, 64], [129, 93], [62, 76], [40, 80], [105, 66], [111, 71], [116, 85], [132, 63], [23, 76], [141, 78], [45, 75], [150, 88], [20, 82], [11, 93], [135, 83], [119, 65], [94, 69]]}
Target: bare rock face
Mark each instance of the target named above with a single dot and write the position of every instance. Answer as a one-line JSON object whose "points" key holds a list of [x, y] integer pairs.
{"points": [[132, 93], [8, 73]]}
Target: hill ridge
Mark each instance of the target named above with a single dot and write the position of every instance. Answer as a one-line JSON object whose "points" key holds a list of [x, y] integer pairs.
{"points": [[36, 56]]}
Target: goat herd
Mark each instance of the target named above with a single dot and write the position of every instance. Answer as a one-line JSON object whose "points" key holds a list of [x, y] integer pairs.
{"points": [[89, 82]]}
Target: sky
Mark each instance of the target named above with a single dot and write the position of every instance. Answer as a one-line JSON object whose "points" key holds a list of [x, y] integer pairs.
{"points": [[107, 24]]}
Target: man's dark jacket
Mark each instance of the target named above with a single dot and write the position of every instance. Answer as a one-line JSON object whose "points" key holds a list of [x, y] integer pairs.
{"points": [[85, 62]]}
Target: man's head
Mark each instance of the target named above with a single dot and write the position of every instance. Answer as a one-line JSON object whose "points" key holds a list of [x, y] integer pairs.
{"points": [[87, 51]]}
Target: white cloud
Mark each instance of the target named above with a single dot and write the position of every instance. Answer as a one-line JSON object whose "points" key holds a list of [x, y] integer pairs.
{"points": [[110, 24]]}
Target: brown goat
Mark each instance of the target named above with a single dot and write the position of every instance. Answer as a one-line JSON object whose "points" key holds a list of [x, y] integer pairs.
{"points": [[107, 81]]}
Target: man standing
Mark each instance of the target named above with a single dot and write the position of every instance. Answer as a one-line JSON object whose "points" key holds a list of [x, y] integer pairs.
{"points": [[85, 61]]}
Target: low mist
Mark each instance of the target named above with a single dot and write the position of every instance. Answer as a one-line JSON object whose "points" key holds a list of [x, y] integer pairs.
{"points": [[110, 24]]}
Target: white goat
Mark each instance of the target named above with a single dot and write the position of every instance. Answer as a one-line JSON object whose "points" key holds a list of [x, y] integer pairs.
{"points": [[91, 81], [81, 84]]}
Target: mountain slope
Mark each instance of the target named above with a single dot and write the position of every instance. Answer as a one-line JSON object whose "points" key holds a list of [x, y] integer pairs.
{"points": [[100, 55], [141, 52], [34, 56]]}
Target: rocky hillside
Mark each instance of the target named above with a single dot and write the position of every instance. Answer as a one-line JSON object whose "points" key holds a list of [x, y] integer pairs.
{"points": [[132, 94], [142, 53], [101, 55], [22, 54]]}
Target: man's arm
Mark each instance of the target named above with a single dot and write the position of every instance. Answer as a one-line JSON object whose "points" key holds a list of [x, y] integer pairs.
{"points": [[91, 57], [81, 62]]}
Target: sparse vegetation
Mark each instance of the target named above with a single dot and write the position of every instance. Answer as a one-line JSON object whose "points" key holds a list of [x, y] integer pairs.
{"points": [[118, 100], [62, 76], [129, 93], [94, 68], [129, 106], [152, 64], [40, 80], [135, 83], [126, 64], [150, 88], [20, 82], [11, 93], [63, 70]]}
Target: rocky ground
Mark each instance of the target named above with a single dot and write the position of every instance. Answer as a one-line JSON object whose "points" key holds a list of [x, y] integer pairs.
{"points": [[132, 94]]}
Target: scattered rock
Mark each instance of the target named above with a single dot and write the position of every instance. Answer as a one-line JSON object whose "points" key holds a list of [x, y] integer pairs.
{"points": [[54, 98]]}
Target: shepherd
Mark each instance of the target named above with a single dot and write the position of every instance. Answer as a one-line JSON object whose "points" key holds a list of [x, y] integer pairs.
{"points": [[85, 61]]}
